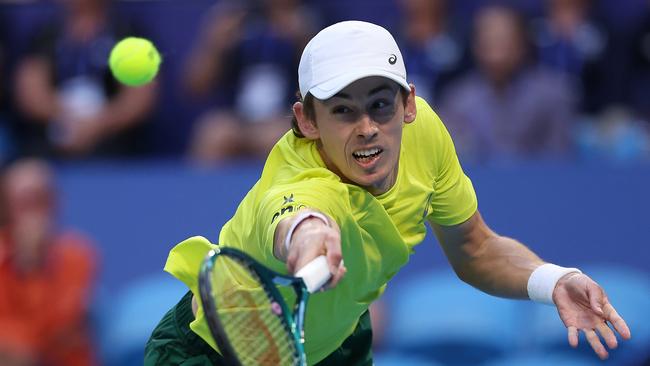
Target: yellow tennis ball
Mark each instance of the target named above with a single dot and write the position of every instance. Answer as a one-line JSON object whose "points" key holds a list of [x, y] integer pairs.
{"points": [[134, 61]]}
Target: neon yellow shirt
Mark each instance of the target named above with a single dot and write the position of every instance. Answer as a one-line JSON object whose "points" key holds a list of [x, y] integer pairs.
{"points": [[377, 233]]}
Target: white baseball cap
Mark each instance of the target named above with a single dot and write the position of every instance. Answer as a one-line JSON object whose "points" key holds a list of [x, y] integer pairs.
{"points": [[346, 52]]}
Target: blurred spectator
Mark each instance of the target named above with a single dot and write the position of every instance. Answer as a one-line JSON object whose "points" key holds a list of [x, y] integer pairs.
{"points": [[568, 40], [619, 133], [45, 276], [433, 49], [245, 58], [507, 107], [640, 68], [5, 139], [71, 104]]}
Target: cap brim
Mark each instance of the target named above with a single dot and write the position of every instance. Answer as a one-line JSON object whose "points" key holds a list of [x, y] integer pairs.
{"points": [[329, 88]]}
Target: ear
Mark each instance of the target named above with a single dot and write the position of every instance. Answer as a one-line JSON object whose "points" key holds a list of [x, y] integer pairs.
{"points": [[410, 110], [306, 125]]}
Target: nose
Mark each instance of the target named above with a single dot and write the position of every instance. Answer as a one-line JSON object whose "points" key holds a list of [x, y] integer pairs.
{"points": [[366, 128]]}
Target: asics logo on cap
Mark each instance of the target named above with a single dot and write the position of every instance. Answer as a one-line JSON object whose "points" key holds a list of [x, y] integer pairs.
{"points": [[392, 59]]}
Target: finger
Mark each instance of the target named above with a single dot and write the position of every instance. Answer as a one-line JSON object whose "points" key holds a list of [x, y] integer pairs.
{"points": [[336, 278], [608, 335], [594, 342], [619, 324], [333, 251], [573, 336], [595, 294], [292, 257]]}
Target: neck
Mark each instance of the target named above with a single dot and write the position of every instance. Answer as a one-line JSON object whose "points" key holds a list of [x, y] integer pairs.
{"points": [[387, 183]]}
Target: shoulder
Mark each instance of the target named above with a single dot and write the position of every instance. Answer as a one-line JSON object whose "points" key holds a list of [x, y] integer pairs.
{"points": [[427, 129], [429, 141], [294, 159], [425, 112], [321, 193], [293, 177], [289, 151]]}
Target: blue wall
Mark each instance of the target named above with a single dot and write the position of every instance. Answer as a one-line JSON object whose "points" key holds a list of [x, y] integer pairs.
{"points": [[569, 214]]}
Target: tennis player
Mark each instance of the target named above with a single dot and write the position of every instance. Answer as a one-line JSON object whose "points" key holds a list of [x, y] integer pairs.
{"points": [[367, 164]]}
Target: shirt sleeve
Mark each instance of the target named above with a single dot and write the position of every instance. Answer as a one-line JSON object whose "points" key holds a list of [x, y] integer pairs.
{"points": [[259, 222], [454, 200], [184, 260]]}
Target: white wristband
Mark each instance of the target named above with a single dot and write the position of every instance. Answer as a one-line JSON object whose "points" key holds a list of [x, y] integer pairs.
{"points": [[542, 281], [297, 220]]}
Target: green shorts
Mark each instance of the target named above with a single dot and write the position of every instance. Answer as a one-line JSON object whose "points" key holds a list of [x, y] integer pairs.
{"points": [[174, 343]]}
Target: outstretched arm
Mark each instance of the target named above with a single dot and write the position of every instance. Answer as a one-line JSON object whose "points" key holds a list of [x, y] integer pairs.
{"points": [[492, 263], [502, 266]]}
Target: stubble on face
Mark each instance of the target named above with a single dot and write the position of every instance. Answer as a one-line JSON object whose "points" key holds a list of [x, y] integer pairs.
{"points": [[360, 131]]}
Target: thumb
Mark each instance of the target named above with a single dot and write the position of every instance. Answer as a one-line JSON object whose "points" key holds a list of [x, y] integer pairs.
{"points": [[595, 294]]}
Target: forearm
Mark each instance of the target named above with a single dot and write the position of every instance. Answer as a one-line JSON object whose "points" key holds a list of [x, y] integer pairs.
{"points": [[492, 263], [128, 108], [203, 71], [280, 251], [502, 267], [35, 96], [209, 58]]}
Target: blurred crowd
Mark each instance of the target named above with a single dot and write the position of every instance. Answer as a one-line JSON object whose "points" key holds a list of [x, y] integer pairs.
{"points": [[547, 79], [47, 274], [561, 80]]}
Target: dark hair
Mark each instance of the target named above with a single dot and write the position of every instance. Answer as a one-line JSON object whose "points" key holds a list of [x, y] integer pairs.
{"points": [[310, 112]]}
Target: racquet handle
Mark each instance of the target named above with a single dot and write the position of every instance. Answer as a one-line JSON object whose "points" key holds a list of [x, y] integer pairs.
{"points": [[315, 274]]}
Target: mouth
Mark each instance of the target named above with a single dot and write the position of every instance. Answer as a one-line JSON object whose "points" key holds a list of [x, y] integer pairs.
{"points": [[367, 157]]}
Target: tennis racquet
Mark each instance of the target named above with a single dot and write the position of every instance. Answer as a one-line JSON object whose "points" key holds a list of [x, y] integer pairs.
{"points": [[246, 311]]}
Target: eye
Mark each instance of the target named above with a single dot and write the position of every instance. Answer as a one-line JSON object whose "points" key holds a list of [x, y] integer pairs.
{"points": [[380, 104], [341, 109], [382, 110]]}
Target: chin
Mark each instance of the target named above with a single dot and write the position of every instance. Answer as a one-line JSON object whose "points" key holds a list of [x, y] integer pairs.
{"points": [[370, 180]]}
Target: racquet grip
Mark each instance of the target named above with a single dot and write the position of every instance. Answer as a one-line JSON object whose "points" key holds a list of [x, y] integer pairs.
{"points": [[315, 274]]}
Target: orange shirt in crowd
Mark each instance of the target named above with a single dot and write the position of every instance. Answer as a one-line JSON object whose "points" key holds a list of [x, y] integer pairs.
{"points": [[44, 313]]}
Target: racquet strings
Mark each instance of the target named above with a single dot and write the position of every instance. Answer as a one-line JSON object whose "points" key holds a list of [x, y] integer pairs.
{"points": [[251, 319]]}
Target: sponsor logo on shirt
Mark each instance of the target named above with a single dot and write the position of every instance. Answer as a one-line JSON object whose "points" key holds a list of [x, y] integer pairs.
{"points": [[288, 200], [288, 206]]}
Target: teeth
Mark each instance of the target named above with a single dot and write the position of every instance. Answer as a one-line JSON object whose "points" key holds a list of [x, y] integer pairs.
{"points": [[366, 153]]}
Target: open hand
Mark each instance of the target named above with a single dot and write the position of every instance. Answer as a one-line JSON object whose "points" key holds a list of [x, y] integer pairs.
{"points": [[583, 306]]}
